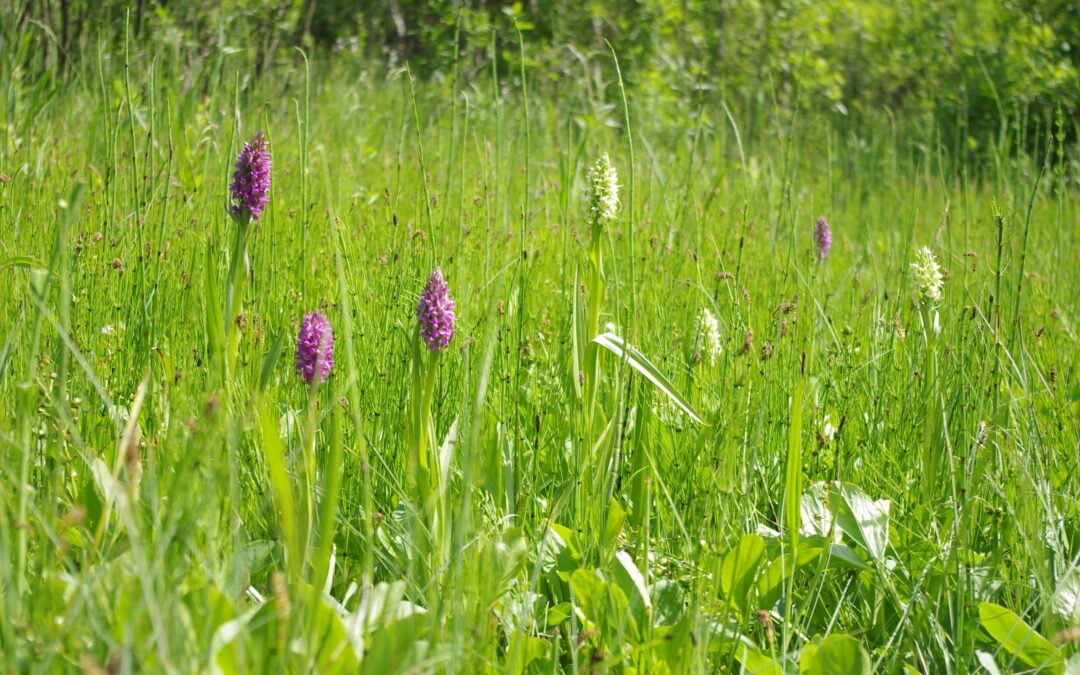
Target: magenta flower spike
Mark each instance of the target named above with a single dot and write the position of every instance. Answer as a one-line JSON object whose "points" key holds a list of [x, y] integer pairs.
{"points": [[435, 313], [315, 348], [250, 186], [823, 237]]}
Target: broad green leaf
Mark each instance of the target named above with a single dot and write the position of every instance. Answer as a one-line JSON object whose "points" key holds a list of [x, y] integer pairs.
{"points": [[552, 548], [559, 613], [333, 651], [588, 589], [677, 643], [226, 646], [613, 523], [615, 344], [502, 559], [523, 651], [863, 519], [396, 646], [561, 550], [604, 440], [1066, 600], [740, 567], [280, 483], [667, 599], [381, 605], [842, 556], [566, 537], [770, 582], [815, 516], [1019, 639], [604, 606], [110, 488], [756, 662], [833, 655], [629, 578]]}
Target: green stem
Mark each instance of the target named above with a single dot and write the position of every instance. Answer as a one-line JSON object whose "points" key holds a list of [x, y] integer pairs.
{"points": [[234, 297], [424, 451], [433, 505], [592, 326], [931, 448], [307, 488]]}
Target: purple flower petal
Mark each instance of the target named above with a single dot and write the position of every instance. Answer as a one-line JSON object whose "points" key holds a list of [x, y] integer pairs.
{"points": [[435, 313], [823, 237], [315, 348], [250, 186]]}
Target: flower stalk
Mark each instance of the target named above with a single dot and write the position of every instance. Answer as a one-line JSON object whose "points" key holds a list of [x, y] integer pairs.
{"points": [[603, 208], [250, 192], [435, 326], [930, 283], [314, 359]]}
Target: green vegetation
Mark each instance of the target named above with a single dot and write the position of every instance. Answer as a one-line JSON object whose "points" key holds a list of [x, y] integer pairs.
{"points": [[952, 71], [854, 477]]}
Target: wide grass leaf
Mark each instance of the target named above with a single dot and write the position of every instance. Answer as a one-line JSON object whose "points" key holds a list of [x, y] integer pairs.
{"points": [[1020, 639], [757, 662], [1066, 599], [628, 577], [617, 346], [21, 261], [835, 654], [864, 520], [740, 567]]}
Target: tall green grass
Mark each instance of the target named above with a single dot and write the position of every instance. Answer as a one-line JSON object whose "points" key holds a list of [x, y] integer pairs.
{"points": [[863, 493]]}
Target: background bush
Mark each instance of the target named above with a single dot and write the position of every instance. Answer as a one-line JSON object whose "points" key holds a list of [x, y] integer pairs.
{"points": [[964, 66]]}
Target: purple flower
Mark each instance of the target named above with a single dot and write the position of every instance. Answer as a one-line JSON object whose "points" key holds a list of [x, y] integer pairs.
{"points": [[823, 237], [315, 348], [250, 186], [435, 313]]}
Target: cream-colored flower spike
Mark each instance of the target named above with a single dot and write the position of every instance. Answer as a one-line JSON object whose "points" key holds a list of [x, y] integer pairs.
{"points": [[709, 335], [928, 275], [603, 192]]}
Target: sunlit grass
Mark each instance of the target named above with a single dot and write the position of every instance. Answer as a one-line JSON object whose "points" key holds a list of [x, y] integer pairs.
{"points": [[593, 524]]}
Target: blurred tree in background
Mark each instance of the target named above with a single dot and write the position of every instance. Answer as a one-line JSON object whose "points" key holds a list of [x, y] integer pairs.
{"points": [[962, 65]]}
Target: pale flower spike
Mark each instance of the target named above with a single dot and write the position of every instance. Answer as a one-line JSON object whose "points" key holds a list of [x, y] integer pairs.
{"points": [[603, 194], [928, 275], [709, 335]]}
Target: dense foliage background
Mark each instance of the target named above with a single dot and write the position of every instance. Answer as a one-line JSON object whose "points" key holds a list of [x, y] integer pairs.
{"points": [[962, 65]]}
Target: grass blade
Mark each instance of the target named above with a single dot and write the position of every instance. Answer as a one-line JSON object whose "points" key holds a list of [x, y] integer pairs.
{"points": [[638, 361]]}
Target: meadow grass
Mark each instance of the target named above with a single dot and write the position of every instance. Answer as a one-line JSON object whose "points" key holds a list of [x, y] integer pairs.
{"points": [[865, 492]]}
